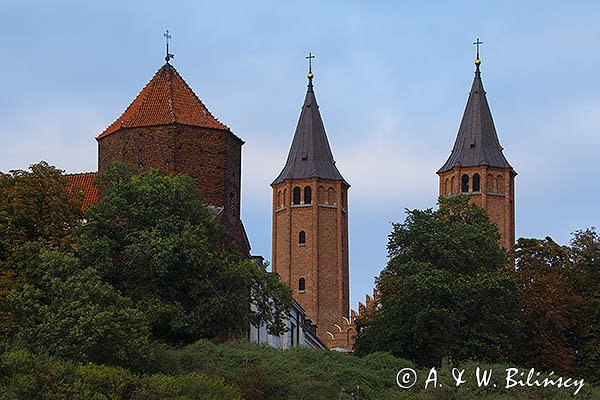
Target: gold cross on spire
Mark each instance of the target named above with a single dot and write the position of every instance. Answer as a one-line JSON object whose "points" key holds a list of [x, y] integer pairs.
{"points": [[167, 37]]}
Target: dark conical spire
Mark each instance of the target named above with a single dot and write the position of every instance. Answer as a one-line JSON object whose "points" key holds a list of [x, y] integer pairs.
{"points": [[310, 155], [477, 142]]}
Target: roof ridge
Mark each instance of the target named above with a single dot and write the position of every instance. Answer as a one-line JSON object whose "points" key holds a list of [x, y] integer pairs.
{"points": [[197, 98], [170, 96], [143, 100], [81, 173]]}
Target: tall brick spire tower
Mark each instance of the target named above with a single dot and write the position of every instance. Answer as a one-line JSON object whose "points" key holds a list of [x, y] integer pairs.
{"points": [[167, 127], [477, 167], [310, 224]]}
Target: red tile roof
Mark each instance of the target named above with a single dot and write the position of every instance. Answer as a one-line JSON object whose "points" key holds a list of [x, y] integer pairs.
{"points": [[166, 99], [83, 182]]}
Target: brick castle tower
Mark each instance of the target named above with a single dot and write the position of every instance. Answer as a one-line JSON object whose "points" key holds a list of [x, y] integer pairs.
{"points": [[476, 167], [310, 224], [167, 127]]}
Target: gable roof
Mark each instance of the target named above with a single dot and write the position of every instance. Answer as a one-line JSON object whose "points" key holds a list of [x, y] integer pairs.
{"points": [[83, 182], [477, 141], [166, 99], [310, 155]]}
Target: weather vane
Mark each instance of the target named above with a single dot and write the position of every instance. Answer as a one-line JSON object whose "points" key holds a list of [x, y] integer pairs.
{"points": [[167, 37], [310, 56], [477, 43]]}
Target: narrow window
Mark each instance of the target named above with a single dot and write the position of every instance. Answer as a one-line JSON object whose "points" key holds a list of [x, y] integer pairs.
{"points": [[465, 183], [452, 185], [302, 238], [447, 184], [279, 203], [476, 183], [331, 196], [500, 184], [490, 183], [322, 197], [307, 195], [296, 195], [301, 285]]}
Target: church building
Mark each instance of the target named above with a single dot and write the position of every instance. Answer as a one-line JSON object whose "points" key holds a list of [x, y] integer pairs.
{"points": [[477, 167], [310, 227]]}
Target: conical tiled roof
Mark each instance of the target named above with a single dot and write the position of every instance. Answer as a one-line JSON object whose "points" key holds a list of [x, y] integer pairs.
{"points": [[166, 99], [310, 155], [477, 142]]}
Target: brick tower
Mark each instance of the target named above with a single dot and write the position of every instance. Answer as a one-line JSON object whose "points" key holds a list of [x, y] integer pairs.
{"points": [[310, 224], [167, 127], [476, 167]]}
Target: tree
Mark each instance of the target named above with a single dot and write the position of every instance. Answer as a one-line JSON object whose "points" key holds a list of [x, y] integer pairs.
{"points": [[35, 207], [154, 240], [70, 313], [446, 290], [551, 305], [584, 255]]}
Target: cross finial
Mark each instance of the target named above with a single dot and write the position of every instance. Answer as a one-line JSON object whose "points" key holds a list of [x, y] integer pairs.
{"points": [[310, 56], [478, 43], [167, 37]]}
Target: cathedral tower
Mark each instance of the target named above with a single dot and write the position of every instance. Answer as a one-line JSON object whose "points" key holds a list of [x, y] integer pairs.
{"points": [[476, 167], [310, 224]]}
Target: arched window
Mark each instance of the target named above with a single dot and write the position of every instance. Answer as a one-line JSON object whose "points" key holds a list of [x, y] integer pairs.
{"points": [[284, 197], [331, 196], [452, 181], [464, 183], [302, 238], [296, 195], [301, 285], [322, 195], [307, 195], [447, 187], [500, 184], [476, 183], [279, 203], [489, 184]]}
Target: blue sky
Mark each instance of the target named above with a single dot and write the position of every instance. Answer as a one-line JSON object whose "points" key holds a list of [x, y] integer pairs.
{"points": [[391, 79]]}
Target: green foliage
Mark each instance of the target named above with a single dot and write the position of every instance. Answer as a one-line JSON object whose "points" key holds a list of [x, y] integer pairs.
{"points": [[69, 312], [153, 239], [309, 374], [36, 210], [550, 305], [35, 205], [446, 290], [24, 376], [584, 256]]}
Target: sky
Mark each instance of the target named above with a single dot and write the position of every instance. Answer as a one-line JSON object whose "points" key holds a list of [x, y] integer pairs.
{"points": [[391, 79]]}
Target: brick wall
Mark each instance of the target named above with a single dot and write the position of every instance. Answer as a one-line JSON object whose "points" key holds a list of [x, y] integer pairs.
{"points": [[211, 156], [323, 259], [495, 195]]}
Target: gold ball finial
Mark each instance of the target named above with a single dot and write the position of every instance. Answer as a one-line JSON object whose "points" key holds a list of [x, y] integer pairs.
{"points": [[477, 61], [309, 75]]}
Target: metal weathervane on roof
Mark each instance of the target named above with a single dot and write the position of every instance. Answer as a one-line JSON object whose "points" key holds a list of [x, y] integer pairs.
{"points": [[167, 37]]}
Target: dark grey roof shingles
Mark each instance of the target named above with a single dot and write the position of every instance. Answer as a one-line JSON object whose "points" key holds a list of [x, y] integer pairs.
{"points": [[310, 155], [477, 142]]}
